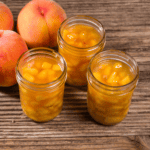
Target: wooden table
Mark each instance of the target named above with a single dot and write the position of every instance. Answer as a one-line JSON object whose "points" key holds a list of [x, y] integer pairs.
{"points": [[127, 24]]}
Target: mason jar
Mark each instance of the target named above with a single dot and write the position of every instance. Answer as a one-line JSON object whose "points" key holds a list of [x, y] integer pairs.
{"points": [[41, 101], [79, 38], [109, 104]]}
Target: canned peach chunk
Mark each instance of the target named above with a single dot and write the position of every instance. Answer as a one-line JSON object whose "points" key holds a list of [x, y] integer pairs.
{"points": [[111, 83], [78, 42], [42, 85], [114, 73], [80, 36], [40, 74], [36, 74]]}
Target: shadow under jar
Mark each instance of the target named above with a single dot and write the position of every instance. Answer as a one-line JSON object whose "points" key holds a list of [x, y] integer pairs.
{"points": [[41, 76], [112, 77], [79, 38]]}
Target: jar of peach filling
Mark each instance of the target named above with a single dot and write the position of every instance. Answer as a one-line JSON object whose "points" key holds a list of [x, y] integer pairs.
{"points": [[79, 38], [41, 76], [112, 77]]}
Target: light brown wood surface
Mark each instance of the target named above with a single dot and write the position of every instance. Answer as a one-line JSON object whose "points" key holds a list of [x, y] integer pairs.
{"points": [[127, 25]]}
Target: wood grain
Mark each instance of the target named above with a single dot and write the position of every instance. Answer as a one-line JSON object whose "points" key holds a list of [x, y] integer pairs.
{"points": [[127, 26]]}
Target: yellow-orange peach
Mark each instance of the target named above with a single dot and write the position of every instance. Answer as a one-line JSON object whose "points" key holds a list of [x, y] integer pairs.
{"points": [[11, 47], [6, 17], [39, 21]]}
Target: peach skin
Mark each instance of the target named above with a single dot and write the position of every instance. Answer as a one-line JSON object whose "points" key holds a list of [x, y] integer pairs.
{"points": [[11, 47], [6, 17], [39, 21]]}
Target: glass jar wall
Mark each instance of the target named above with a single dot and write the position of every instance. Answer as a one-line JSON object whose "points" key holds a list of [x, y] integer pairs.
{"points": [[41, 76], [79, 38], [112, 77]]}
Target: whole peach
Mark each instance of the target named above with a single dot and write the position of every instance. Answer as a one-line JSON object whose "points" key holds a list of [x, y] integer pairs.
{"points": [[6, 17], [39, 21], [11, 47]]}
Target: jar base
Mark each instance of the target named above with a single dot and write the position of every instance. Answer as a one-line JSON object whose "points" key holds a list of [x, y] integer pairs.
{"points": [[70, 82], [108, 121], [44, 118]]}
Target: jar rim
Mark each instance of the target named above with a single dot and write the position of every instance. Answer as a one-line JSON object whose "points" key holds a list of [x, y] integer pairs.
{"points": [[33, 52], [82, 17], [109, 87]]}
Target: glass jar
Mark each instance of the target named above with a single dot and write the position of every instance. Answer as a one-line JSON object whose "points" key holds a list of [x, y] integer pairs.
{"points": [[77, 58], [107, 104], [41, 102]]}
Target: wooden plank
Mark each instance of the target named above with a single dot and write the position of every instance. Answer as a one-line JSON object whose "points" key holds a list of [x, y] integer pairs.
{"points": [[117, 143], [74, 119], [127, 29], [70, 143]]}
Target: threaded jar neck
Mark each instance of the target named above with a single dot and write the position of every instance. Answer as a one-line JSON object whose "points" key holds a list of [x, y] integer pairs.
{"points": [[86, 20], [42, 52], [113, 55]]}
